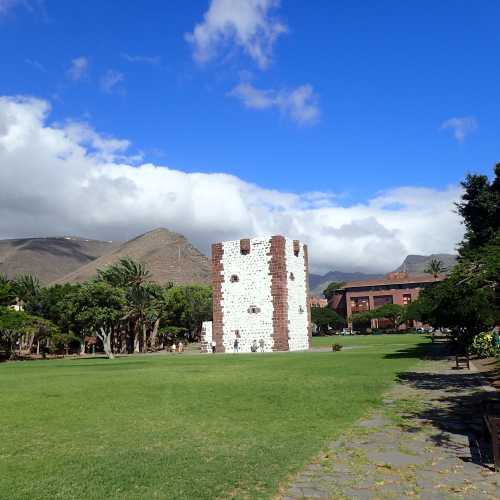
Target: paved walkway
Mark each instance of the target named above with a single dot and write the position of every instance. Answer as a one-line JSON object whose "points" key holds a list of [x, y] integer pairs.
{"points": [[427, 442]]}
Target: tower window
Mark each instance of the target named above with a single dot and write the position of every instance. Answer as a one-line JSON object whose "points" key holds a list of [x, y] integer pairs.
{"points": [[234, 278], [292, 277], [253, 310]]}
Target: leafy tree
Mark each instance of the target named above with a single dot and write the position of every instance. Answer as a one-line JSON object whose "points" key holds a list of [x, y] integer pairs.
{"points": [[325, 319], [7, 292], [329, 291], [436, 268], [189, 306], [480, 210], [99, 309], [16, 324]]}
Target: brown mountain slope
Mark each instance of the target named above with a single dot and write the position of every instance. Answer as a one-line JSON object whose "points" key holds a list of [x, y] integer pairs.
{"points": [[168, 256], [49, 258]]}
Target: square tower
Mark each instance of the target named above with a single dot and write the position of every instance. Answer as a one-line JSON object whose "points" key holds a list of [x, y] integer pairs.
{"points": [[260, 295]]}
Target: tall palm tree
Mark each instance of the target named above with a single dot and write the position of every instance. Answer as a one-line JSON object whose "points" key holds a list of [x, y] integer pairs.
{"points": [[436, 268], [26, 287], [125, 273]]}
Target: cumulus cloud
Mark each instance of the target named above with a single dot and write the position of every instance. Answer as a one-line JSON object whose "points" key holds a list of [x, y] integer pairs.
{"points": [[153, 60], [246, 24], [69, 179], [461, 127], [110, 79], [300, 104], [78, 68]]}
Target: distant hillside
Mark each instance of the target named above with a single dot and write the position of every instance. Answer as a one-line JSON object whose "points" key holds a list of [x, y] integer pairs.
{"points": [[317, 282], [168, 256], [49, 258], [417, 264]]}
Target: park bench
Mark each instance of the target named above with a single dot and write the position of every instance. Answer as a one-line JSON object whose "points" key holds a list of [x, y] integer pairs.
{"points": [[491, 416]]}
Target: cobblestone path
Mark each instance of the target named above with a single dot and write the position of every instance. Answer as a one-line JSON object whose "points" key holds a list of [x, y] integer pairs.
{"points": [[427, 442]]}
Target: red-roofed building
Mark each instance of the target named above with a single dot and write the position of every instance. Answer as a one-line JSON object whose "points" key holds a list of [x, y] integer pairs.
{"points": [[365, 295]]}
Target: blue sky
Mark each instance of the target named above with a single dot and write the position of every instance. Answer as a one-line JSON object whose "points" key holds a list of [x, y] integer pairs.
{"points": [[345, 97]]}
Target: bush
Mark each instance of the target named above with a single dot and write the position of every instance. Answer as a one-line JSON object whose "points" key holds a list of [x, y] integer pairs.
{"points": [[336, 347], [485, 345]]}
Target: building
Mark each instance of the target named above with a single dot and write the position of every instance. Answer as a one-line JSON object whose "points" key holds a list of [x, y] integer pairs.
{"points": [[260, 296], [318, 301], [365, 295]]}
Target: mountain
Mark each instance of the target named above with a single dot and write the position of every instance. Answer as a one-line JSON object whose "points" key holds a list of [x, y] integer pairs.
{"points": [[49, 258], [416, 264], [317, 282], [168, 256]]}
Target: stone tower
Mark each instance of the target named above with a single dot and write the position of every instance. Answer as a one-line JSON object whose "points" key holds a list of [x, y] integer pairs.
{"points": [[260, 295]]}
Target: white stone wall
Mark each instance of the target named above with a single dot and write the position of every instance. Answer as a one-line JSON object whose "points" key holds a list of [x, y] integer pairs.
{"points": [[206, 336], [298, 339], [253, 288]]}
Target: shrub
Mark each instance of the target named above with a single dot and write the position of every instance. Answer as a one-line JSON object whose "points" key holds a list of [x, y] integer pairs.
{"points": [[336, 347], [485, 345]]}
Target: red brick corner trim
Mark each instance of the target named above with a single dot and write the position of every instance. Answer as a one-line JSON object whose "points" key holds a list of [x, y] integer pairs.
{"points": [[306, 267], [279, 293], [217, 280]]}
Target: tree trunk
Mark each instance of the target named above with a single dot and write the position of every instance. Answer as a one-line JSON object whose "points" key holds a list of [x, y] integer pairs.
{"points": [[136, 340], [106, 342], [82, 347], [154, 334], [144, 338], [38, 348]]}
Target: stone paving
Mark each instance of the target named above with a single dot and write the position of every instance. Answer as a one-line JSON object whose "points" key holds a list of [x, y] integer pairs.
{"points": [[427, 442]]}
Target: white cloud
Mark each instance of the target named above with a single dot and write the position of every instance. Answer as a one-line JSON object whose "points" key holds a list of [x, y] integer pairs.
{"points": [[68, 179], [300, 104], [110, 79], [153, 60], [246, 24], [35, 64], [460, 126], [78, 69]]}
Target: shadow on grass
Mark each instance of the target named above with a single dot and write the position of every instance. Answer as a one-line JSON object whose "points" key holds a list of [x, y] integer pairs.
{"points": [[455, 413], [420, 351]]}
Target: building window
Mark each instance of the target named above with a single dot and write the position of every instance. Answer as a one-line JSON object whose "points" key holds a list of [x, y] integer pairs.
{"points": [[301, 309], [359, 304], [234, 278], [406, 299], [381, 300], [253, 310], [292, 277]]}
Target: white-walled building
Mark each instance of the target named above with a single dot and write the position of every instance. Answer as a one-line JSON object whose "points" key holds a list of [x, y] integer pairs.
{"points": [[260, 296]]}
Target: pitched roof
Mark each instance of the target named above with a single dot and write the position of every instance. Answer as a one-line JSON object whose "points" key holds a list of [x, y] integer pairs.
{"points": [[394, 280]]}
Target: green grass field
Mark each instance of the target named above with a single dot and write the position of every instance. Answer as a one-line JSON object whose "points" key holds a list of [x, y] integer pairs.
{"points": [[184, 426]]}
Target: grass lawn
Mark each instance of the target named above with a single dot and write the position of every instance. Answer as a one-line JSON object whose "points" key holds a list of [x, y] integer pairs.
{"points": [[184, 426]]}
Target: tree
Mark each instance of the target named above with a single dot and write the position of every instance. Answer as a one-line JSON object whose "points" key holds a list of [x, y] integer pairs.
{"points": [[480, 210], [325, 319], [392, 312], [189, 306], [436, 268], [16, 324], [7, 292], [329, 291], [99, 309], [126, 273], [26, 287]]}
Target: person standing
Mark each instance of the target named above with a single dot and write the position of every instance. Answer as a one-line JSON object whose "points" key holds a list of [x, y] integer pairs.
{"points": [[180, 347], [174, 347], [236, 345], [261, 345], [214, 345]]}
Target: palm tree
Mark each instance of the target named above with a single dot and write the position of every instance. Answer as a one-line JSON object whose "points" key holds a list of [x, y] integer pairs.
{"points": [[26, 286], [436, 268], [125, 273]]}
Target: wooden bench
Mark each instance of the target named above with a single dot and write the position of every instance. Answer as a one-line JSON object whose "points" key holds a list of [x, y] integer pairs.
{"points": [[491, 416]]}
